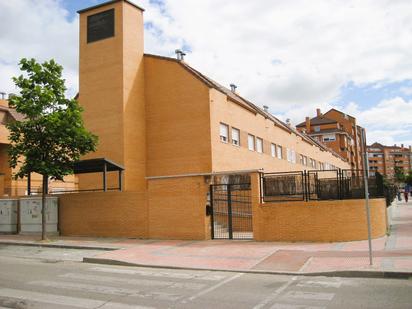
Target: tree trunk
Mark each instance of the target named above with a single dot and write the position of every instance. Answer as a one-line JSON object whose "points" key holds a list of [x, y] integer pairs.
{"points": [[43, 209]]}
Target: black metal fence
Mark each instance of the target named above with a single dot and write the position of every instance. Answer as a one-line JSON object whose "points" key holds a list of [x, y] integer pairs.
{"points": [[319, 185]]}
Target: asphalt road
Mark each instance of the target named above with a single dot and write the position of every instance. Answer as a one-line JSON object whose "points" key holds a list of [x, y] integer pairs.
{"points": [[29, 278]]}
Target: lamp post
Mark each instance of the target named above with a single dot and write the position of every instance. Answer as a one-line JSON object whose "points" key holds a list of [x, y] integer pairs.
{"points": [[365, 177]]}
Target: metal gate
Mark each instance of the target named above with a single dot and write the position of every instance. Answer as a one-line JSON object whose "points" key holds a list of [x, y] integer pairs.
{"points": [[231, 211]]}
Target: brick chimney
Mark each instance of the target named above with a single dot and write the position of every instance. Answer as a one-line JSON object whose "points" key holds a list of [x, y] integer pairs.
{"points": [[307, 125], [318, 113]]}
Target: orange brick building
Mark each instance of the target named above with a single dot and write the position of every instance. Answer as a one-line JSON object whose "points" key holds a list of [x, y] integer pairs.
{"points": [[175, 132], [386, 159], [339, 132]]}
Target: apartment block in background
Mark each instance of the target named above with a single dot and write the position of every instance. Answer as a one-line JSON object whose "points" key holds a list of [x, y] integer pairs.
{"points": [[339, 132], [386, 159]]}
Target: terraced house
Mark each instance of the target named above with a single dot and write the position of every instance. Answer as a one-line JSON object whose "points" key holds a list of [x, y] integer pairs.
{"points": [[173, 133]]}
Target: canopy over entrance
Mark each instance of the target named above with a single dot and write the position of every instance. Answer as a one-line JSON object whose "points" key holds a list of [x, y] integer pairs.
{"points": [[98, 165]]}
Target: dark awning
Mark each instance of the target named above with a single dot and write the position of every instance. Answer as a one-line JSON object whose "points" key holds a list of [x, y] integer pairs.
{"points": [[96, 166]]}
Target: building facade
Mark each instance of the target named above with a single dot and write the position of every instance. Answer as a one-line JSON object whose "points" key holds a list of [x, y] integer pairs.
{"points": [[387, 160], [340, 133], [159, 117]]}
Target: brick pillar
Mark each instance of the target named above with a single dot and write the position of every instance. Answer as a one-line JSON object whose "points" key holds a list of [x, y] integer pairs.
{"points": [[255, 198]]}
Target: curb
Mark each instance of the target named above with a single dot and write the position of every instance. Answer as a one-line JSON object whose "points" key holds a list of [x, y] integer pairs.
{"points": [[61, 246], [345, 274]]}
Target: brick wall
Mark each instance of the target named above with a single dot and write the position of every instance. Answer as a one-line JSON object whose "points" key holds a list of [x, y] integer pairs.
{"points": [[321, 221], [177, 208], [110, 214]]}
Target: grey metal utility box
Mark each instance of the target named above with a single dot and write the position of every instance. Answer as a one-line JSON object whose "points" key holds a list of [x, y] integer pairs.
{"points": [[30, 214], [8, 215]]}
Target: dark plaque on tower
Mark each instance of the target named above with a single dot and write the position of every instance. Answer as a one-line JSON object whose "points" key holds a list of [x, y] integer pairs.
{"points": [[100, 26]]}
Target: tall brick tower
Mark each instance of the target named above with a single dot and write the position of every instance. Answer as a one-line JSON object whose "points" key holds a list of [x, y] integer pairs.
{"points": [[111, 88]]}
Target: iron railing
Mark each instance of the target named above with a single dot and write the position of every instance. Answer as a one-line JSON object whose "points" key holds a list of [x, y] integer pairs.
{"points": [[318, 185], [231, 211]]}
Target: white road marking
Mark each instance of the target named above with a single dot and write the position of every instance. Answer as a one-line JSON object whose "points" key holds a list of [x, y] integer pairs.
{"points": [[106, 290], [290, 306], [308, 295], [275, 294], [214, 287], [51, 299], [160, 273], [141, 282], [319, 284]]}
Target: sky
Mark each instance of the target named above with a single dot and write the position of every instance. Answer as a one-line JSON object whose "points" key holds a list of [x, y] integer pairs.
{"points": [[293, 56]]}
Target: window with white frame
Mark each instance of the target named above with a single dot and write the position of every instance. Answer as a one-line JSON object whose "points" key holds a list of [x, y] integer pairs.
{"points": [[273, 150], [317, 128], [329, 137], [310, 162], [224, 132], [251, 142], [235, 137], [301, 159], [305, 160], [259, 145], [289, 154], [293, 154], [279, 151]]}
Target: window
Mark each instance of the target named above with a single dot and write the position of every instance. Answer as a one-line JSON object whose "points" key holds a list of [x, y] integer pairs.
{"points": [[317, 128], [291, 155], [224, 133], [235, 137], [279, 151], [310, 162], [329, 138], [301, 159], [251, 142], [259, 145], [305, 160], [273, 150]]}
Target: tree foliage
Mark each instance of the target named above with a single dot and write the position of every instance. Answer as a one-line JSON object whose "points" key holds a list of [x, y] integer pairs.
{"points": [[408, 178], [52, 135], [399, 174]]}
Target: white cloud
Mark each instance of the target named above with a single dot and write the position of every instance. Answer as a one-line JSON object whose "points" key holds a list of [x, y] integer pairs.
{"points": [[293, 56], [406, 90], [39, 29], [389, 122], [291, 53]]}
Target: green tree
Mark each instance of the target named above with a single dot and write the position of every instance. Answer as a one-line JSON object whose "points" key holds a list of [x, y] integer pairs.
{"points": [[408, 178], [399, 174], [52, 135]]}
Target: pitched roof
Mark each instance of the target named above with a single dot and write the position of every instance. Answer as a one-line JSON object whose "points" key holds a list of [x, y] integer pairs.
{"points": [[236, 98], [233, 96], [338, 111], [15, 115], [318, 120]]}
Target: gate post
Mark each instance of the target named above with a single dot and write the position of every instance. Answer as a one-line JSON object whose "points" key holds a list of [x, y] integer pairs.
{"points": [[229, 211], [256, 200], [212, 221]]}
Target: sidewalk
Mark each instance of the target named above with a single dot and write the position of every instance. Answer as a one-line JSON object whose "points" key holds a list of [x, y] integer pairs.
{"points": [[391, 255]]}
